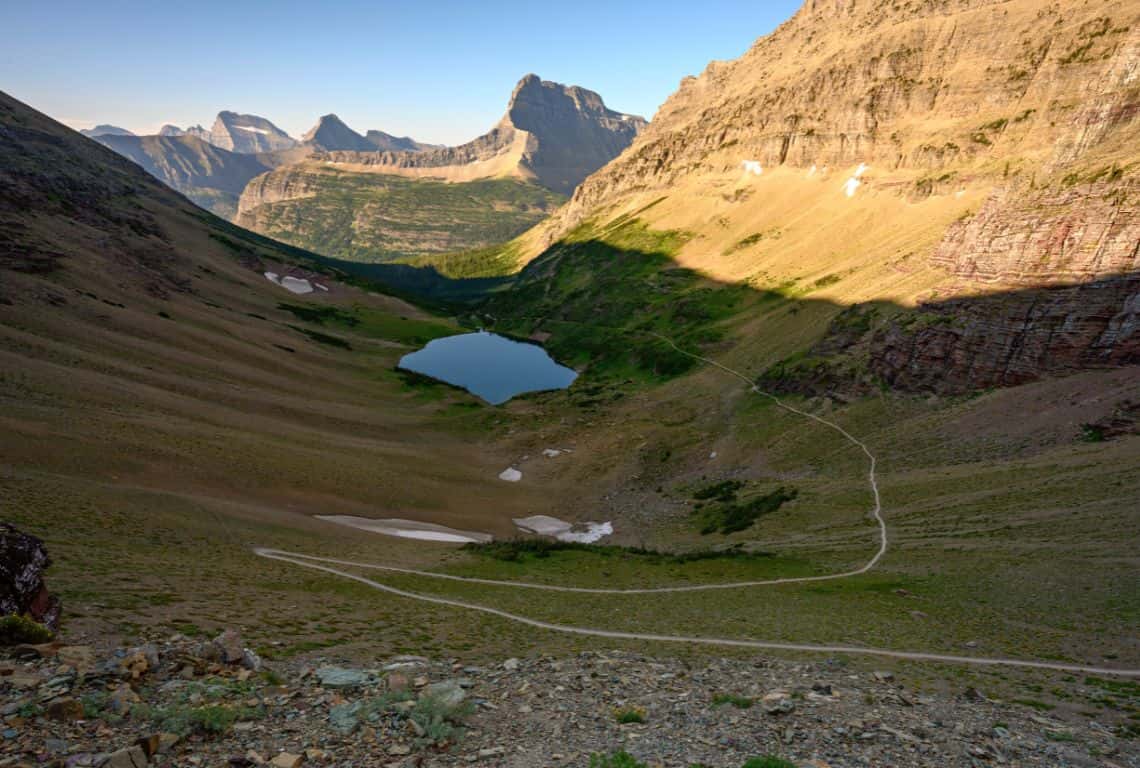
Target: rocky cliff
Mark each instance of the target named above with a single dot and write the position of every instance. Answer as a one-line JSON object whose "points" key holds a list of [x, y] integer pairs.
{"points": [[972, 163]]}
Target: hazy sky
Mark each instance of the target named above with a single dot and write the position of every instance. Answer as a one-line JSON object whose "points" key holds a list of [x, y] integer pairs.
{"points": [[438, 71]]}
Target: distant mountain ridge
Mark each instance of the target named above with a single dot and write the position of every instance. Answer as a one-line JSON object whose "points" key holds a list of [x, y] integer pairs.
{"points": [[330, 133], [554, 134], [210, 176], [105, 130]]}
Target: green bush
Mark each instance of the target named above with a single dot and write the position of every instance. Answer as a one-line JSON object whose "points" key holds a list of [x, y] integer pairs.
{"points": [[440, 723], [620, 759], [16, 630], [625, 715]]}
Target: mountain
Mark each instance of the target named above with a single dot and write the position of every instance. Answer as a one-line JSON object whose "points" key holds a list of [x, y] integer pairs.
{"points": [[196, 131], [552, 134], [883, 156], [210, 176], [386, 142], [385, 205], [105, 130], [248, 134], [330, 133]]}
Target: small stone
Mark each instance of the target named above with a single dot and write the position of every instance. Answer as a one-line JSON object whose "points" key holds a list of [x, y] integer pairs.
{"points": [[64, 710], [449, 693], [250, 660], [884, 677], [135, 665], [287, 760], [81, 658], [131, 757], [399, 749], [340, 677], [229, 647], [122, 699], [778, 703], [397, 681], [254, 757], [511, 665]]}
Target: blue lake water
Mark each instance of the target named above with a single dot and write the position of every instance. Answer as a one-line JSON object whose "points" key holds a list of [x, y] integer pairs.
{"points": [[489, 366]]}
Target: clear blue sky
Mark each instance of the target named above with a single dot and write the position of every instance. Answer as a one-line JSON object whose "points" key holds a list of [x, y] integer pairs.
{"points": [[438, 71]]}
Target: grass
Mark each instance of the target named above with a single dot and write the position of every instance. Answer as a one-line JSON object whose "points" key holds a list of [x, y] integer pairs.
{"points": [[368, 322], [368, 217], [740, 702], [603, 292], [520, 550]]}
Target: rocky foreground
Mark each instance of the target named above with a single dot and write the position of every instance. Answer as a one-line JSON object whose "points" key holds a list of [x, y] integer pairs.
{"points": [[194, 702]]}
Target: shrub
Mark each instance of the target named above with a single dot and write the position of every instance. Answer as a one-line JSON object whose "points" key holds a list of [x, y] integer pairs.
{"points": [[15, 630], [620, 759], [625, 715], [440, 723]]}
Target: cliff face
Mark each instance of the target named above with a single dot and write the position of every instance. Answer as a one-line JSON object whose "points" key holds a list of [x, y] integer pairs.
{"points": [[937, 86], [1023, 116], [248, 134]]}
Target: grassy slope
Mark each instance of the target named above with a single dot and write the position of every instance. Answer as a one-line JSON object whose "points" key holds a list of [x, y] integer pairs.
{"points": [[152, 438], [371, 217]]}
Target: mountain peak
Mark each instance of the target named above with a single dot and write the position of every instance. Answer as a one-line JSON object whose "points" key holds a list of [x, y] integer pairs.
{"points": [[248, 134], [331, 134]]}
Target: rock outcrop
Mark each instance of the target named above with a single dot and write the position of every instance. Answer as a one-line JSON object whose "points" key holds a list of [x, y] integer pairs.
{"points": [[248, 134], [23, 561]]}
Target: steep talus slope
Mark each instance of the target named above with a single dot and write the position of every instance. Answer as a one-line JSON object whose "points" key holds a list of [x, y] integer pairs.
{"points": [[970, 160], [210, 176]]}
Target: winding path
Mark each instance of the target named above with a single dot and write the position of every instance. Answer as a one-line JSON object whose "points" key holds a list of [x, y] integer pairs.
{"points": [[313, 562]]}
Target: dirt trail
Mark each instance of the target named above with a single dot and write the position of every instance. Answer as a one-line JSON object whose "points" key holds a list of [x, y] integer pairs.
{"points": [[313, 562]]}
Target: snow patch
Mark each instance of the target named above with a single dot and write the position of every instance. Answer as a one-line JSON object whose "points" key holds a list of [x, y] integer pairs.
{"points": [[293, 284], [551, 453], [251, 129], [861, 170], [851, 185], [753, 166], [408, 529], [812, 171], [511, 475], [582, 533]]}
